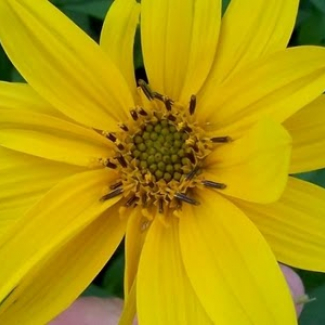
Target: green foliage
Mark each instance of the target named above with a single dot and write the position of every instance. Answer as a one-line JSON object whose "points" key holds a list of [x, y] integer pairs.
{"points": [[5, 66], [311, 23], [313, 312], [113, 276], [93, 8]]}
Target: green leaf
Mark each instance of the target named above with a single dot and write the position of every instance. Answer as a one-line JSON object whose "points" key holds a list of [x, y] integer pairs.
{"points": [[137, 51], [5, 66], [225, 4], [303, 15], [113, 277], [313, 312], [319, 4], [80, 19], [317, 177], [311, 280], [311, 31], [94, 8]]}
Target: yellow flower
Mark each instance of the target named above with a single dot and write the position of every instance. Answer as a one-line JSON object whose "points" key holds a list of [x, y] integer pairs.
{"points": [[192, 169]]}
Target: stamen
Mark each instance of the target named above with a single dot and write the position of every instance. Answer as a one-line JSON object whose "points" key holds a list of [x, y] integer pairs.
{"points": [[158, 96], [192, 104], [186, 199], [195, 147], [221, 139], [112, 194], [144, 199], [109, 164], [133, 199], [116, 185], [187, 129], [191, 174], [134, 114], [122, 161], [161, 205], [168, 103], [124, 127], [111, 136], [146, 89], [171, 117], [216, 185], [142, 112], [120, 146]]}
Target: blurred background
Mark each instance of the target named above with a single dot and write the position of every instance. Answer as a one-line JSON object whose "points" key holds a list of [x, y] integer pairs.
{"points": [[309, 30]]}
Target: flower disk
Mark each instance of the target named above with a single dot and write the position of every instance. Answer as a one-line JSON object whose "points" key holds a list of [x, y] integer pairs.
{"points": [[160, 154]]}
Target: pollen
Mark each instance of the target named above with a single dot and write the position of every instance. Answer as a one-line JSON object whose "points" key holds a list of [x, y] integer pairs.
{"points": [[160, 153]]}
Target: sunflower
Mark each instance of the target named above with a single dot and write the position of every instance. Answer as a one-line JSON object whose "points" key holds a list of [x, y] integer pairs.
{"points": [[192, 167]]}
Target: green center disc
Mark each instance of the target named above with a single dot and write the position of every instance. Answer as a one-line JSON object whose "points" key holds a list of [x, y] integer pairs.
{"points": [[161, 150]]}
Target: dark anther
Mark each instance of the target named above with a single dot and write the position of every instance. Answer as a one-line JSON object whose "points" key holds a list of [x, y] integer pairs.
{"points": [[187, 129], [219, 186], [171, 118], [142, 112], [112, 194], [158, 96], [195, 147], [122, 161], [116, 185], [168, 103], [133, 199], [111, 136], [120, 146], [192, 104], [146, 89], [191, 174], [191, 157], [186, 199], [134, 114], [124, 127], [110, 165], [161, 205], [151, 184], [144, 199], [221, 139]]}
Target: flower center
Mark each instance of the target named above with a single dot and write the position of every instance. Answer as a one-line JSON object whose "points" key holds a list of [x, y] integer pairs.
{"points": [[160, 155], [160, 149]]}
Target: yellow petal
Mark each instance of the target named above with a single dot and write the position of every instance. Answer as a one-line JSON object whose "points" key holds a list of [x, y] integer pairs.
{"points": [[64, 211], [117, 37], [64, 65], [59, 278], [24, 180], [254, 167], [134, 239], [249, 33], [308, 137], [22, 96], [230, 266], [51, 138], [164, 294], [176, 35], [277, 86], [129, 308], [294, 226]]}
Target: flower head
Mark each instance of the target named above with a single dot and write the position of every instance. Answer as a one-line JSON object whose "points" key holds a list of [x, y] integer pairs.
{"points": [[192, 167]]}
